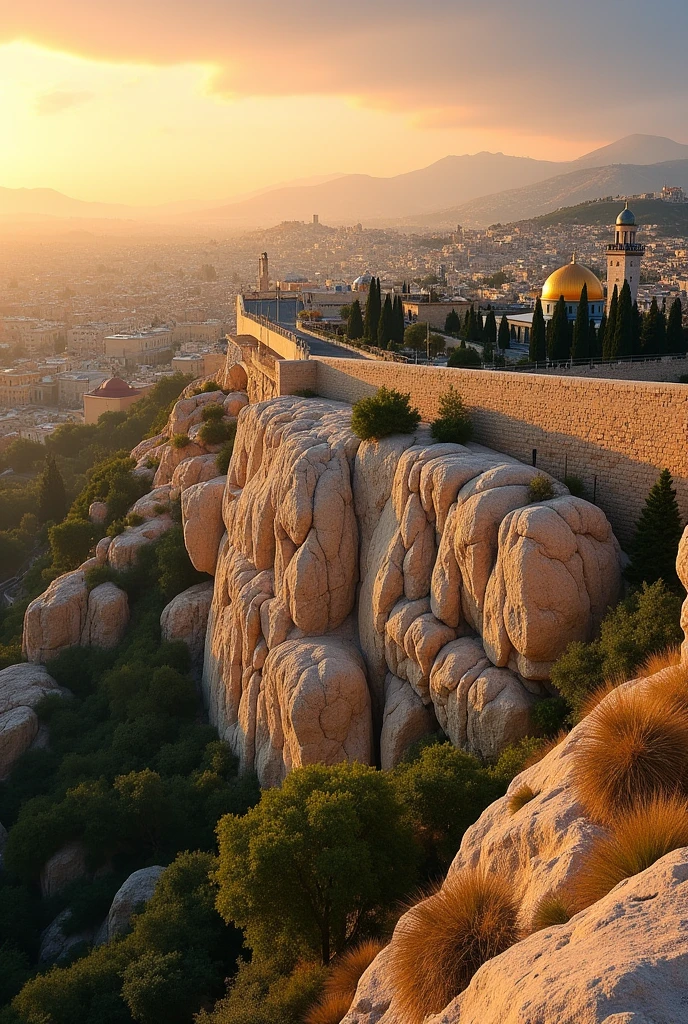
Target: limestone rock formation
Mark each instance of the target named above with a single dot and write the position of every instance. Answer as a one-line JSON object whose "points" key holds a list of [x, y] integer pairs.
{"points": [[194, 471], [97, 512], [202, 519], [65, 866], [155, 503], [186, 618], [130, 897], [125, 548], [55, 945], [171, 457], [66, 614], [405, 720]]}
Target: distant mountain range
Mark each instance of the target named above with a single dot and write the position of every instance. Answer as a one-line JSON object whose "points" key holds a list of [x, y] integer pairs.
{"points": [[472, 190]]}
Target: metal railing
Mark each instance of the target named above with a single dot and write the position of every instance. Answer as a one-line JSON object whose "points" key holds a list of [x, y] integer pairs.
{"points": [[271, 325], [550, 364]]}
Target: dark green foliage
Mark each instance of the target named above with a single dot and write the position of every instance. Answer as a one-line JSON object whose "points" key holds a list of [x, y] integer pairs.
{"points": [[540, 488], [646, 622], [22, 455], [675, 334], [443, 790], [372, 312], [384, 413], [452, 323], [513, 759], [559, 328], [386, 324], [581, 328], [465, 358], [657, 535], [354, 325], [180, 440], [71, 543], [15, 969], [490, 329], [399, 322], [217, 431], [538, 335], [224, 456], [653, 337], [454, 422], [549, 715], [268, 992], [609, 340], [504, 334], [575, 486], [317, 862], [625, 325], [52, 499], [212, 411], [174, 569]]}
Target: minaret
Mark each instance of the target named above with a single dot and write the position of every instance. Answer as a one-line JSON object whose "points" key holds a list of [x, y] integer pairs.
{"points": [[263, 273], [624, 256]]}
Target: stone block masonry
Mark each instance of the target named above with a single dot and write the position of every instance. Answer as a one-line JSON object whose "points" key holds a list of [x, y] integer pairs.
{"points": [[615, 435]]}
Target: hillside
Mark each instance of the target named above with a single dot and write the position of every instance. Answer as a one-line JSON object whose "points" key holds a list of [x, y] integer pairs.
{"points": [[670, 219], [562, 190]]}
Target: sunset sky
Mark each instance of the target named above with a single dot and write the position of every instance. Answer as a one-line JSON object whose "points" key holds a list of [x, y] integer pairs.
{"points": [[142, 101]]}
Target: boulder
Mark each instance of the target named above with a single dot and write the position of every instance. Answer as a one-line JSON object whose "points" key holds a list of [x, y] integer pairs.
{"points": [[171, 457], [102, 548], [55, 620], [194, 471], [129, 898], [65, 866], [54, 944], [155, 503], [22, 687], [18, 729], [203, 525], [404, 721], [107, 617], [186, 618], [146, 447], [621, 961], [97, 512], [682, 570], [188, 412], [124, 549], [313, 707], [235, 402]]}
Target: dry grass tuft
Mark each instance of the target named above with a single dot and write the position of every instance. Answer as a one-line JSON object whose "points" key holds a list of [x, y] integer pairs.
{"points": [[329, 1010], [595, 698], [544, 749], [552, 909], [523, 795], [660, 660], [442, 941], [347, 970], [635, 747], [637, 840]]}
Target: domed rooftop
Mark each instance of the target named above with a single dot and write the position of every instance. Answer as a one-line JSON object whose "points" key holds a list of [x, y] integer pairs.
{"points": [[363, 281], [569, 280], [114, 387], [626, 218]]}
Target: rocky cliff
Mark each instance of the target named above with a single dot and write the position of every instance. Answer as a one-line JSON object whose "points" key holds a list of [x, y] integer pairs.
{"points": [[363, 592]]}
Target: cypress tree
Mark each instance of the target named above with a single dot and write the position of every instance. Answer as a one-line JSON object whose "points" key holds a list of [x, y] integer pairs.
{"points": [[610, 326], [592, 339], [385, 329], [452, 324], [52, 499], [637, 329], [504, 334], [601, 332], [490, 329], [651, 336], [399, 324], [657, 536], [537, 352], [623, 330], [581, 327], [477, 327], [560, 332], [354, 325], [675, 337]]}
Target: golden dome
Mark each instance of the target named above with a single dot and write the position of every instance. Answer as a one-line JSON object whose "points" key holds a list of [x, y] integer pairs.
{"points": [[569, 280]]}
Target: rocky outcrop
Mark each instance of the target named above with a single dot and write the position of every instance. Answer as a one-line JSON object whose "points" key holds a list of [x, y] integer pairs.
{"points": [[203, 524], [125, 547], [66, 615], [682, 570], [22, 687], [621, 961], [186, 618], [97, 512], [55, 944], [129, 898], [194, 471], [171, 457], [65, 866], [155, 503], [405, 719]]}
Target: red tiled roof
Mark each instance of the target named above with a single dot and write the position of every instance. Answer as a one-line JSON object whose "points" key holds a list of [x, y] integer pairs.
{"points": [[114, 387]]}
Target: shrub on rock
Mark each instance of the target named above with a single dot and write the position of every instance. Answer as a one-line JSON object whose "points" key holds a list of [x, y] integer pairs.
{"points": [[442, 941], [540, 489], [454, 422], [384, 413]]}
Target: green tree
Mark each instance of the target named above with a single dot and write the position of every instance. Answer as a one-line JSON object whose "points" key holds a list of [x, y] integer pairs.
{"points": [[354, 326], [463, 357], [560, 332], [609, 340], [675, 335], [657, 535], [416, 337], [637, 330], [537, 352], [623, 330], [52, 499], [386, 412], [453, 422], [581, 327], [317, 862], [452, 323], [653, 332], [372, 313], [504, 334], [593, 343], [399, 322], [601, 334], [490, 329], [385, 328]]}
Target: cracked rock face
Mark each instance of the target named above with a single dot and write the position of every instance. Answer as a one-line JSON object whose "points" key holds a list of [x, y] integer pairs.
{"points": [[22, 687]]}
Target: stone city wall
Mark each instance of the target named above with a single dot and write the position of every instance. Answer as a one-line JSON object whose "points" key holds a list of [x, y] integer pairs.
{"points": [[664, 369], [614, 435]]}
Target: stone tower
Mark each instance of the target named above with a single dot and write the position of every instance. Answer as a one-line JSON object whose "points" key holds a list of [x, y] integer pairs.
{"points": [[263, 273], [623, 256]]}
